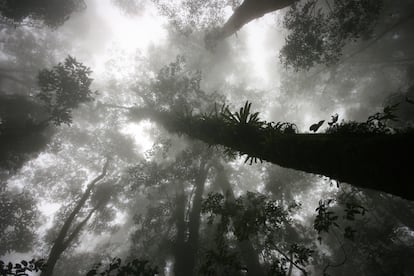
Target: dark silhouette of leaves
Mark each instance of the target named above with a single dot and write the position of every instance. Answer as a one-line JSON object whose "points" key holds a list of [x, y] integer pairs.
{"points": [[49, 12], [63, 88], [20, 269], [316, 126], [136, 267]]}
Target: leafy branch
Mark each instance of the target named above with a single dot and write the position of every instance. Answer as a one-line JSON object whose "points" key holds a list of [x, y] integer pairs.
{"points": [[20, 269]]}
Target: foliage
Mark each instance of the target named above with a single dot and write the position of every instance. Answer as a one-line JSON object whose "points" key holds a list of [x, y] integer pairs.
{"points": [[278, 267], [22, 133], [319, 30], [243, 117], [130, 7], [20, 269], [172, 190], [301, 253], [220, 261], [177, 88], [152, 235], [375, 124], [254, 216], [191, 15], [326, 217], [244, 123], [17, 220], [63, 88], [136, 267], [52, 13]]}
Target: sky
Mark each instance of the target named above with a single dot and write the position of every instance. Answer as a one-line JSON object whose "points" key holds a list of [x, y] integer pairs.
{"points": [[123, 49]]}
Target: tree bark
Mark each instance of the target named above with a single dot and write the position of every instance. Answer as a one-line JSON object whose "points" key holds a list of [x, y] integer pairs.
{"points": [[372, 161], [180, 248], [194, 218], [246, 12]]}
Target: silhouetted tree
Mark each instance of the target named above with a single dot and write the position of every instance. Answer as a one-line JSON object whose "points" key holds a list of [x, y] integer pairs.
{"points": [[352, 223], [194, 15], [243, 14], [136, 267], [367, 160], [19, 269], [361, 154], [25, 120], [63, 88], [18, 219], [71, 228], [255, 217], [22, 132], [52, 13], [189, 172], [319, 30]]}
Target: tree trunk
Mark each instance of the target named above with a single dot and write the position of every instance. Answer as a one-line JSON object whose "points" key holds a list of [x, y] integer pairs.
{"points": [[180, 248], [63, 239], [246, 12], [247, 251], [194, 219], [372, 161]]}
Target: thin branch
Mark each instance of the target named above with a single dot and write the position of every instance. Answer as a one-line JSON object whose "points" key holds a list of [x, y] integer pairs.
{"points": [[369, 44], [290, 260], [340, 263], [85, 196], [329, 5], [78, 228], [116, 106], [187, 214], [379, 36], [290, 265]]}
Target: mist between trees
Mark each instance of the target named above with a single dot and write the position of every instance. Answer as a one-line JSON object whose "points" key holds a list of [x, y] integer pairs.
{"points": [[203, 151]]}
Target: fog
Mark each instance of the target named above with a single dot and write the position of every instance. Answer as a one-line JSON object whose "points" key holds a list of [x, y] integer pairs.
{"points": [[128, 129]]}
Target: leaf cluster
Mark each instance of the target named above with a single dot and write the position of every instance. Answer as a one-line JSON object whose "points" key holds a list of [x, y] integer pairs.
{"points": [[243, 123], [177, 88], [20, 269], [375, 124], [17, 221], [195, 15], [52, 13], [326, 217], [221, 261], [63, 88], [136, 267], [319, 30], [251, 213]]}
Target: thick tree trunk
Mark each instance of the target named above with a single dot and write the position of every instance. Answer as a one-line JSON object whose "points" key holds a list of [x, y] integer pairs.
{"points": [[180, 247], [375, 161], [194, 219], [246, 12], [245, 247]]}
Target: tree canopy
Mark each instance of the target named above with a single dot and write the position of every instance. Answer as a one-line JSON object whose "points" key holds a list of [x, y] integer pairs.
{"points": [[51, 13], [128, 147]]}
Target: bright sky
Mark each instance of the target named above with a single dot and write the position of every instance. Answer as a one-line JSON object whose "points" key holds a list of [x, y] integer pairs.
{"points": [[128, 33]]}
